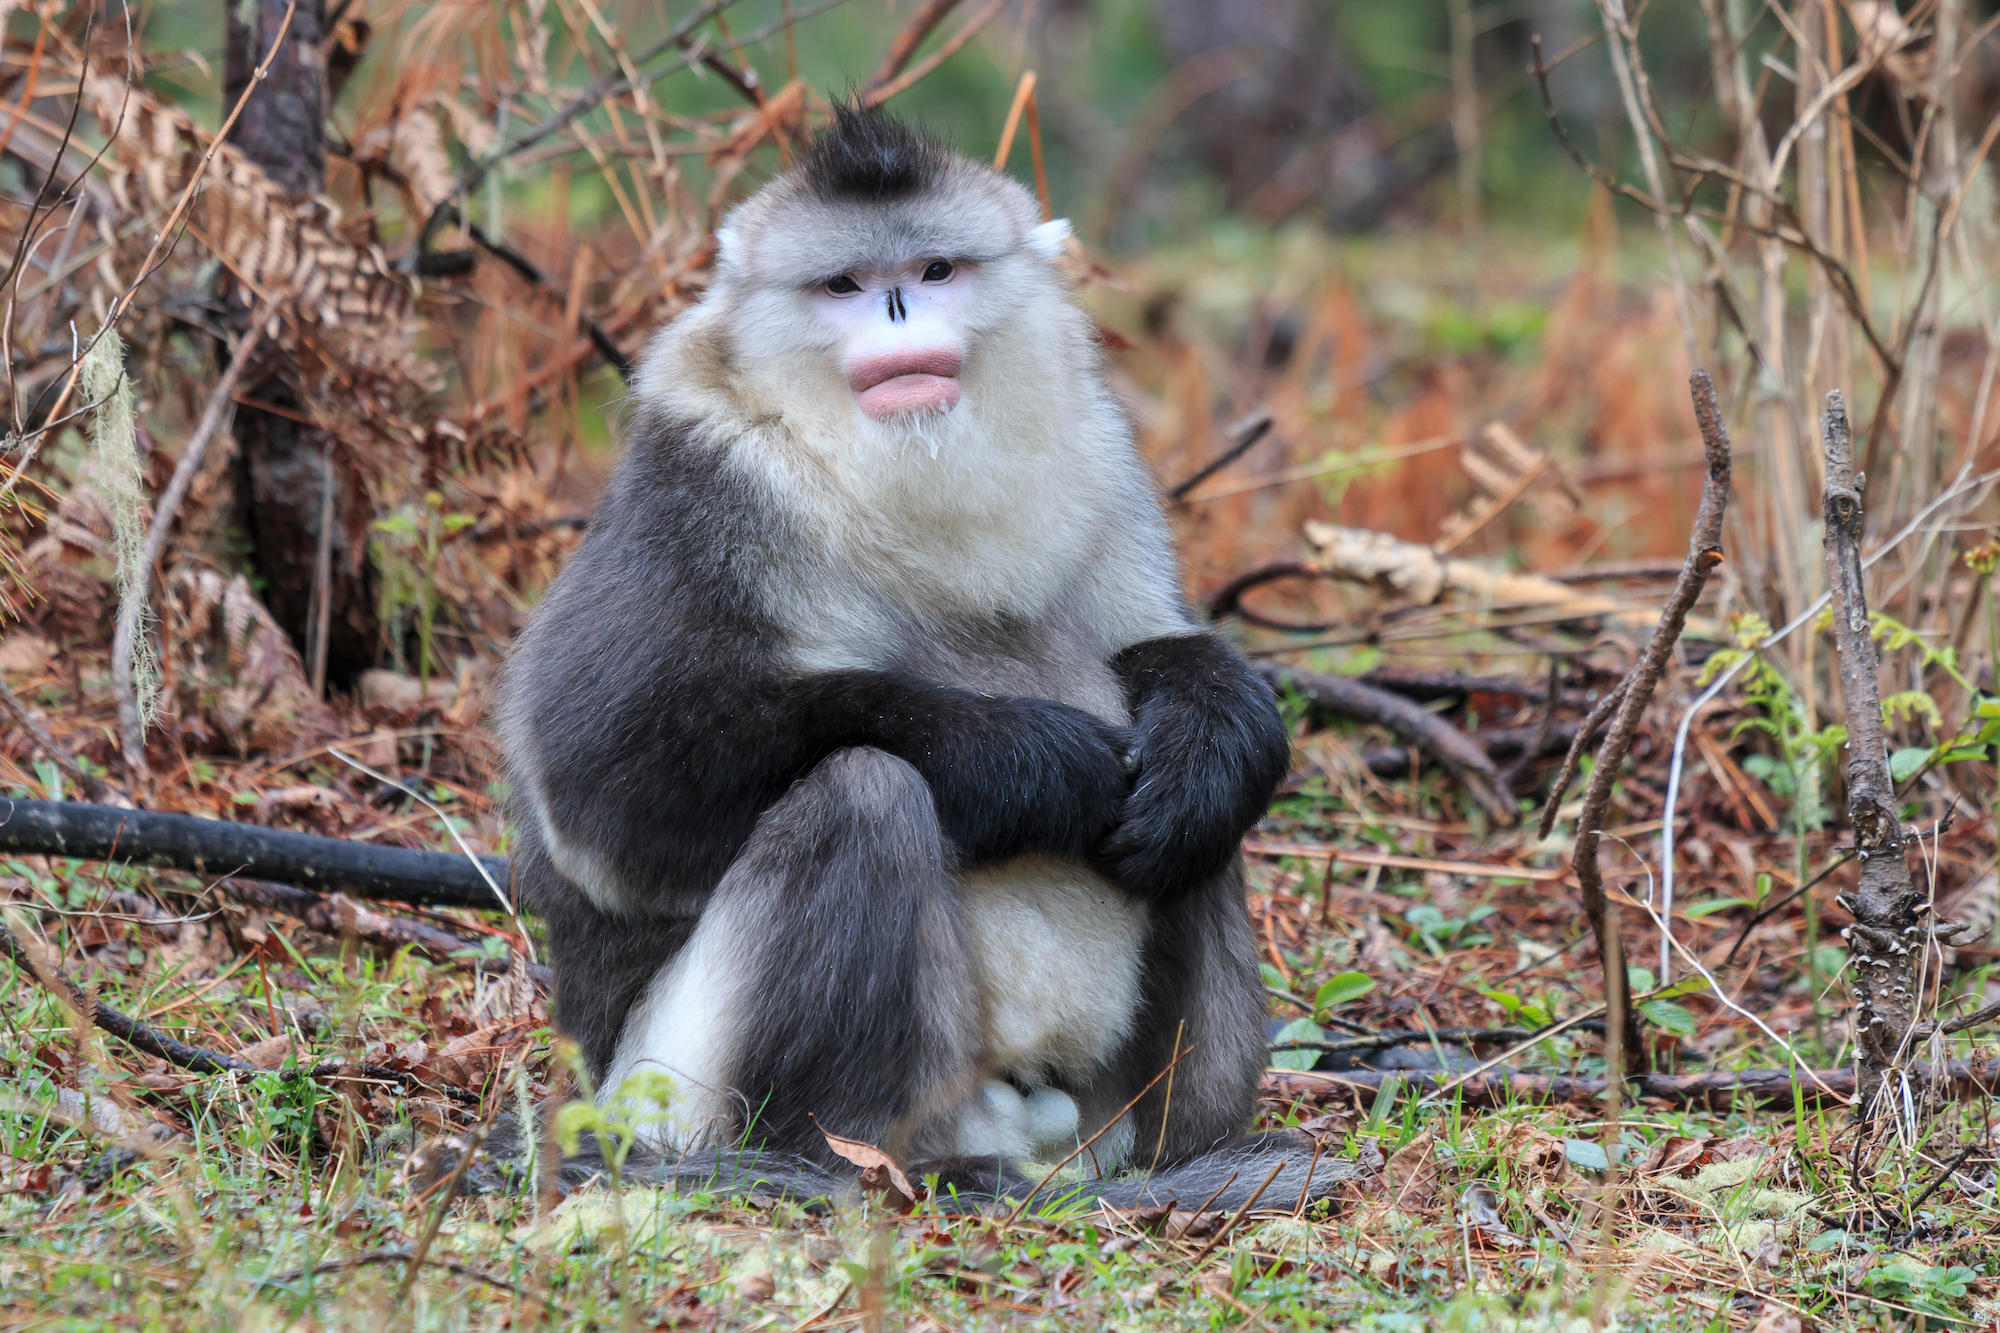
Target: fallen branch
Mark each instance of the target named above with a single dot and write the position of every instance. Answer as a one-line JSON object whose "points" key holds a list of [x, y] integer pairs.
{"points": [[1704, 554], [340, 915], [149, 1040], [1452, 686], [1229, 601], [1377, 1041], [131, 1031], [1888, 938], [1716, 1089], [1416, 572], [1515, 746], [1436, 738], [219, 848]]}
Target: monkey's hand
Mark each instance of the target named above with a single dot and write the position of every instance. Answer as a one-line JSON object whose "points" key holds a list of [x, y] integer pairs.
{"points": [[1212, 750], [1028, 775]]}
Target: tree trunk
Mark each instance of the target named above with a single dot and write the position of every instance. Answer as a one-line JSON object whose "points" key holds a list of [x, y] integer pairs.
{"points": [[284, 465]]}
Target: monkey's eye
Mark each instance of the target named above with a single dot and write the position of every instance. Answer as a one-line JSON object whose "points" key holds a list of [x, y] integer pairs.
{"points": [[842, 286], [938, 270]]}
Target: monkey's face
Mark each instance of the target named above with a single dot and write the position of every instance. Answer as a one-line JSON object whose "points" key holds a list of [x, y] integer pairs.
{"points": [[900, 332]]}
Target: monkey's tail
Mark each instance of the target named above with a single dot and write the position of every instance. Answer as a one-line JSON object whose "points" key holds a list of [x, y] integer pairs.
{"points": [[505, 1161], [1275, 1172]]}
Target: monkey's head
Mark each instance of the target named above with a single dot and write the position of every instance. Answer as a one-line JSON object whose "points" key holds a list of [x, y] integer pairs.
{"points": [[888, 265]]}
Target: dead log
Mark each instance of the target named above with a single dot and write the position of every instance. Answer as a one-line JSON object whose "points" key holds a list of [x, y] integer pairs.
{"points": [[219, 848], [1438, 740]]}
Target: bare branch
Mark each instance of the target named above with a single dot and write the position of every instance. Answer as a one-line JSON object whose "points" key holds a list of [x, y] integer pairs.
{"points": [[1704, 554], [1888, 936]]}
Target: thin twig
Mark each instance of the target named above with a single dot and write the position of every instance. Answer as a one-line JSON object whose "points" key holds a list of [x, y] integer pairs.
{"points": [[1704, 554], [371, 1258], [151, 1041], [131, 1031], [131, 730], [946, 50], [1247, 434], [1592, 725], [897, 58]]}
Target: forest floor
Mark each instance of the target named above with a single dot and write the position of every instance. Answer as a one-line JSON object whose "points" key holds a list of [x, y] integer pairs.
{"points": [[135, 1192]]}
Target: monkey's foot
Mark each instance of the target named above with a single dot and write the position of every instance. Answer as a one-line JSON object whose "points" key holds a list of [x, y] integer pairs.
{"points": [[1000, 1122]]}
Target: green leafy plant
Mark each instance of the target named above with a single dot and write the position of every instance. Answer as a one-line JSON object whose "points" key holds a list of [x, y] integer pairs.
{"points": [[1336, 990], [405, 548]]}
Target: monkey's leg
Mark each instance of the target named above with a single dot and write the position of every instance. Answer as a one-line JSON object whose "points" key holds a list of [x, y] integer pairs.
{"points": [[1201, 991], [828, 979], [1200, 987], [602, 962]]}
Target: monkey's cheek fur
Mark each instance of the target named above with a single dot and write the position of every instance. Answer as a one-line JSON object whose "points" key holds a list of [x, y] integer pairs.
{"points": [[909, 393]]}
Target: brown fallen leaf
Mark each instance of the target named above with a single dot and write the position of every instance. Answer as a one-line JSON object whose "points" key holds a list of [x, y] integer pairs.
{"points": [[878, 1169], [18, 1175], [1479, 1215], [269, 1053], [1675, 1155], [1411, 1176]]}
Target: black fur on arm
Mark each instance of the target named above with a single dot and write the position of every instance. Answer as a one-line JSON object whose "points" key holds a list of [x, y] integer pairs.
{"points": [[663, 786], [649, 711], [1212, 750], [1008, 774]]}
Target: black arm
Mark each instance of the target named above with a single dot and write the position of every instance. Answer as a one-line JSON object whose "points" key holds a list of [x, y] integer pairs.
{"points": [[1212, 750], [1009, 775], [661, 789]]}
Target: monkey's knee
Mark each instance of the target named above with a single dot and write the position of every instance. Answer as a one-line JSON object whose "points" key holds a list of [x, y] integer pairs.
{"points": [[860, 806], [870, 784]]}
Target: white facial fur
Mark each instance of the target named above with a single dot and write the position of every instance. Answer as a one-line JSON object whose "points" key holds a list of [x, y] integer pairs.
{"points": [[900, 333], [1025, 494]]}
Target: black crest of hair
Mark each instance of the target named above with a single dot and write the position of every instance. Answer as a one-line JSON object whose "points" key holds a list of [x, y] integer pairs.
{"points": [[868, 155]]}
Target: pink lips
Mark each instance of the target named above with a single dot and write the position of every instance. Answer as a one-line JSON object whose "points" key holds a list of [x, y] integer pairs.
{"points": [[891, 383]]}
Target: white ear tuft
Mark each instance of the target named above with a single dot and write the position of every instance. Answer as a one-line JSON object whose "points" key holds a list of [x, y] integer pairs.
{"points": [[725, 241], [1048, 238]]}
